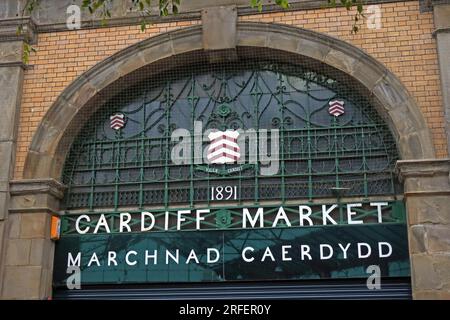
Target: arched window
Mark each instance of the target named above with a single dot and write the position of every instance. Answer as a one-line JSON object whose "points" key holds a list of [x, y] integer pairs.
{"points": [[228, 162], [247, 169], [347, 151]]}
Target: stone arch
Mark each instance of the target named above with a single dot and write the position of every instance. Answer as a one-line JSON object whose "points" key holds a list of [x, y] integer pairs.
{"points": [[79, 100]]}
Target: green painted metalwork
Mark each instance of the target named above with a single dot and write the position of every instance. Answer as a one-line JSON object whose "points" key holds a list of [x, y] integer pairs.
{"points": [[131, 167]]}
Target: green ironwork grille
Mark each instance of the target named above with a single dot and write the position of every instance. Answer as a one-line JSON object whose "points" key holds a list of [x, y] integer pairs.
{"points": [[132, 166]]}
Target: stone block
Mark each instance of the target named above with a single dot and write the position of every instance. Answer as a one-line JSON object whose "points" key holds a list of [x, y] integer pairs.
{"points": [[422, 210], [4, 186], [4, 204], [18, 252], [368, 73], [127, 64], [30, 170], [54, 11], [101, 79], [3, 235], [34, 202], [410, 145], [9, 8], [438, 238], [25, 202], [38, 165], [41, 253], [251, 38], [57, 163], [423, 167], [14, 225], [428, 151], [417, 240], [442, 16], [6, 155], [46, 283], [388, 93], [410, 124], [423, 273], [51, 8], [218, 56], [189, 6], [188, 41], [219, 28], [59, 118], [431, 181], [431, 271], [35, 225], [46, 137], [79, 96], [415, 113], [341, 61], [11, 52], [283, 42], [159, 51], [431, 295], [313, 49], [404, 120], [10, 78], [3, 239], [441, 264], [22, 282]]}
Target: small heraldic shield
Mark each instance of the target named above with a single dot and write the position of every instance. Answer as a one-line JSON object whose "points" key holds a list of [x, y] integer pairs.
{"points": [[336, 108], [223, 147], [117, 121]]}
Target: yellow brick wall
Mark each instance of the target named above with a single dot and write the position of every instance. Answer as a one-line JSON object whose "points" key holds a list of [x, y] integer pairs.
{"points": [[404, 44]]}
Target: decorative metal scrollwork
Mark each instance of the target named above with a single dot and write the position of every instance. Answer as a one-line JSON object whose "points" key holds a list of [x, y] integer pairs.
{"points": [[132, 166], [223, 219]]}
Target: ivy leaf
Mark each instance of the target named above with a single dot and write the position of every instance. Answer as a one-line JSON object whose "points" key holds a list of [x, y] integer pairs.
{"points": [[256, 4], [27, 49], [283, 3], [96, 5], [359, 7]]}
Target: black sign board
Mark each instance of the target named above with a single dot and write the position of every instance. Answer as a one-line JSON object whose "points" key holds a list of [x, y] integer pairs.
{"points": [[315, 252]]}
